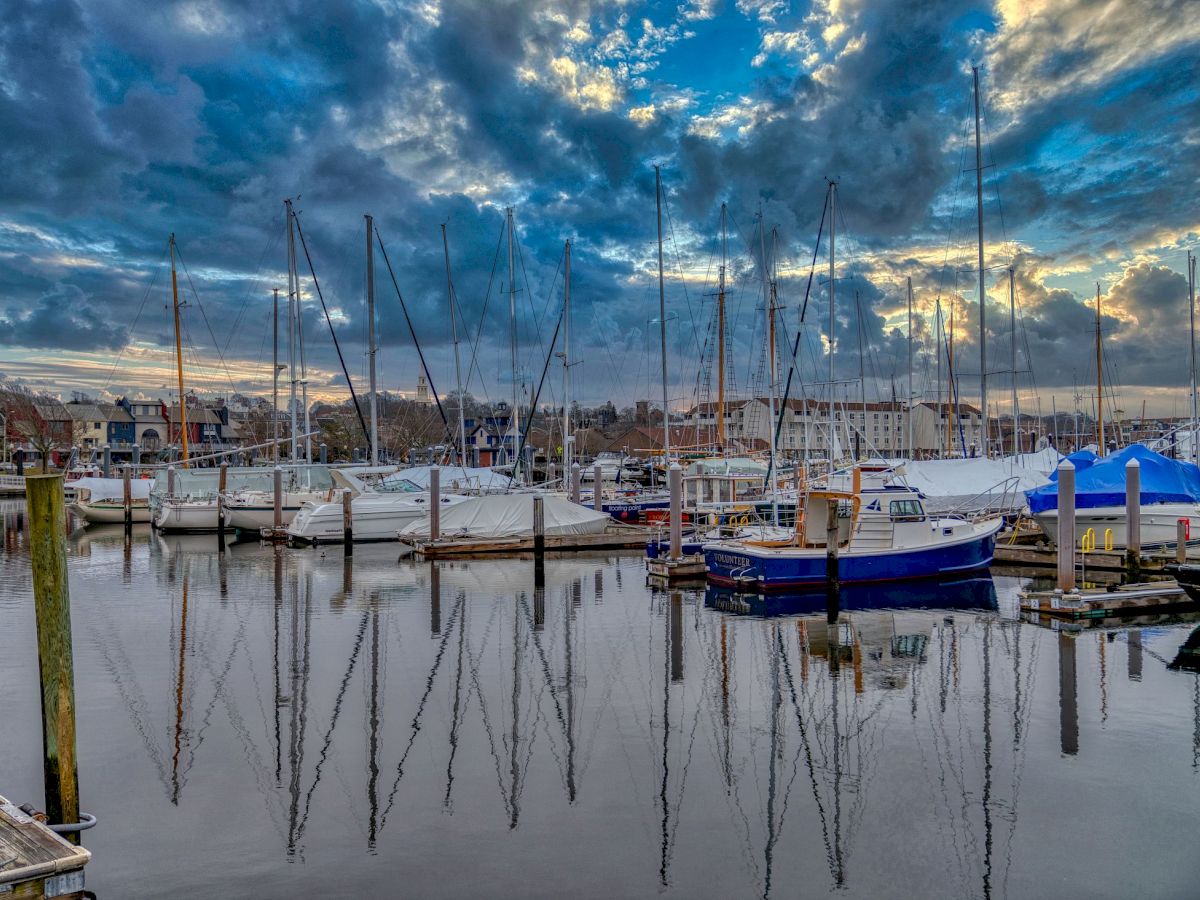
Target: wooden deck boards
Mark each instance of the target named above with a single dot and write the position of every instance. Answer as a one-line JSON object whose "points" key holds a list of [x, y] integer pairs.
{"points": [[34, 861]]}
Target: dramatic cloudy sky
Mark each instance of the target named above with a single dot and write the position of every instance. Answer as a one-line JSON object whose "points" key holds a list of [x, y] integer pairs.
{"points": [[122, 122]]}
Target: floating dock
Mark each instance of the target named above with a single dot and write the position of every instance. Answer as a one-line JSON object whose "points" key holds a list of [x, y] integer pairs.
{"points": [[1024, 555], [36, 863], [686, 568], [615, 538], [1130, 599]]}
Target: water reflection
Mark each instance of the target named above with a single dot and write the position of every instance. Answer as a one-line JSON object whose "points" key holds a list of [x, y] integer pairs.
{"points": [[694, 742]]}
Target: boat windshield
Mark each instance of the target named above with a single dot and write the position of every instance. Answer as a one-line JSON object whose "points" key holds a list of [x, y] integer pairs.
{"points": [[395, 485], [906, 510]]}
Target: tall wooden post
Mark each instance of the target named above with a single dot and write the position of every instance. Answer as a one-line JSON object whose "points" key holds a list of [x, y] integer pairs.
{"points": [[832, 582], [127, 499], [52, 608], [597, 488], [1133, 515], [551, 473], [222, 481], [675, 480], [277, 497], [1066, 526], [539, 524], [1181, 531], [106, 466], [348, 522], [576, 477], [435, 503]]}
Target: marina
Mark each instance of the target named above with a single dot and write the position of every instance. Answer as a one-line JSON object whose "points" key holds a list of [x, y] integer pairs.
{"points": [[347, 716]]}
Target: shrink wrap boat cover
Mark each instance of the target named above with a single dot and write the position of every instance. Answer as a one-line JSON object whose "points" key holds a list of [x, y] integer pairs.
{"points": [[1164, 480], [511, 515], [112, 488], [458, 479]]}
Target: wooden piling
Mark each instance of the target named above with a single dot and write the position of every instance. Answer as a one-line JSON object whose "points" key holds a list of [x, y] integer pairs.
{"points": [[539, 524], [222, 481], [832, 582], [324, 454], [348, 522], [277, 498], [170, 481], [675, 480], [127, 499], [576, 478], [1181, 531], [137, 459], [52, 608], [1133, 516], [435, 503], [551, 472], [597, 488], [1066, 526], [106, 466]]}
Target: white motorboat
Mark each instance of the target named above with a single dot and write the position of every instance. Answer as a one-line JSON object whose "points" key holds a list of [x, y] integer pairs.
{"points": [[379, 514], [1159, 525], [255, 510], [187, 513]]}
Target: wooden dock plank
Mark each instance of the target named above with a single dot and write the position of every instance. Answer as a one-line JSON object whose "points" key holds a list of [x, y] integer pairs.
{"points": [[1132, 599], [35, 858]]}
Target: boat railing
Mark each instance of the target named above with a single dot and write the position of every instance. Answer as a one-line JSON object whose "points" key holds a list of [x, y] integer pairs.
{"points": [[997, 499]]}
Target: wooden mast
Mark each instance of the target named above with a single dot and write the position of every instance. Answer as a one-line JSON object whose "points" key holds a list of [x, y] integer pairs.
{"points": [[721, 340], [1099, 380], [183, 439]]}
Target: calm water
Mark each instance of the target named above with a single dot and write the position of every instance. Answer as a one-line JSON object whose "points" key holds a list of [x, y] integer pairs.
{"points": [[275, 723]]}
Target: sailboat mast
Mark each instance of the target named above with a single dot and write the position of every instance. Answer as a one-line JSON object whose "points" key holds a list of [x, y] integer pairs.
{"points": [[462, 422], [275, 379], [832, 283], [1012, 329], [566, 429], [371, 348], [662, 317], [1099, 380], [1191, 264], [940, 344], [183, 436], [512, 342], [951, 399], [983, 402], [769, 304], [721, 338], [292, 375], [908, 415]]}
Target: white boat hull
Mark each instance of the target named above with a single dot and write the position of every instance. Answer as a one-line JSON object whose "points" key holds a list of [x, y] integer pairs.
{"points": [[187, 515], [109, 513], [1158, 525], [376, 518], [256, 518]]}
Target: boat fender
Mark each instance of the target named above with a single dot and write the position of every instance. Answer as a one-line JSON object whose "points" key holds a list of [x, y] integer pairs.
{"points": [[1187, 528]]}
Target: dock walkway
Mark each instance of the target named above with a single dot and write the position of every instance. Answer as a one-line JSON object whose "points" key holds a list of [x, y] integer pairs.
{"points": [[35, 862]]}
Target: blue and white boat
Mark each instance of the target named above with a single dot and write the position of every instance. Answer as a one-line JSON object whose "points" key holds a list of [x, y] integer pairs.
{"points": [[883, 534]]}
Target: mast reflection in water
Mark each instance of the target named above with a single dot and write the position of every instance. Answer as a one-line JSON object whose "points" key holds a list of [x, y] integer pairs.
{"points": [[269, 720]]}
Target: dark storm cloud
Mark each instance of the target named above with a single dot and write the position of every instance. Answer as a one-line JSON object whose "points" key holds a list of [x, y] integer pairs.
{"points": [[116, 137]]}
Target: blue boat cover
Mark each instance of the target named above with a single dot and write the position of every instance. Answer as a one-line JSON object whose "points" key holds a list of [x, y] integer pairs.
{"points": [[1080, 459], [1102, 482]]}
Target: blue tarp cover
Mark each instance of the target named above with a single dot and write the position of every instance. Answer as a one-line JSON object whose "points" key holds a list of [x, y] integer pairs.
{"points": [[1102, 483], [1080, 459]]}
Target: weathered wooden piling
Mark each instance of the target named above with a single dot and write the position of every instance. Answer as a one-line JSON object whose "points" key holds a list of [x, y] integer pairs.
{"points": [[137, 459], [435, 503], [52, 609], [675, 480], [170, 481], [1133, 516], [539, 524], [832, 582], [1181, 536], [222, 481], [1066, 526], [127, 500], [597, 488], [324, 454], [106, 465], [576, 478], [348, 523], [277, 498], [551, 472]]}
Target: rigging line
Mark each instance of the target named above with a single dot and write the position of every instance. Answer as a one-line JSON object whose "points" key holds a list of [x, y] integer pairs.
{"points": [[473, 365], [679, 268], [341, 360], [136, 319], [812, 269], [204, 315], [529, 421], [416, 343]]}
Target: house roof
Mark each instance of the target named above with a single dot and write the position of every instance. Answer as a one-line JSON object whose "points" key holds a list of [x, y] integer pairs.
{"points": [[52, 411], [196, 415], [86, 412]]}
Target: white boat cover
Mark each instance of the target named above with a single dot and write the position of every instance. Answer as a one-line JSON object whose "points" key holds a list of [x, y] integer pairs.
{"points": [[113, 488], [945, 478], [511, 515], [458, 479]]}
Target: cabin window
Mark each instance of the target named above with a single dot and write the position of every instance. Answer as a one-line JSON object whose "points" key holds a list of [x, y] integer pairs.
{"points": [[906, 510]]}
